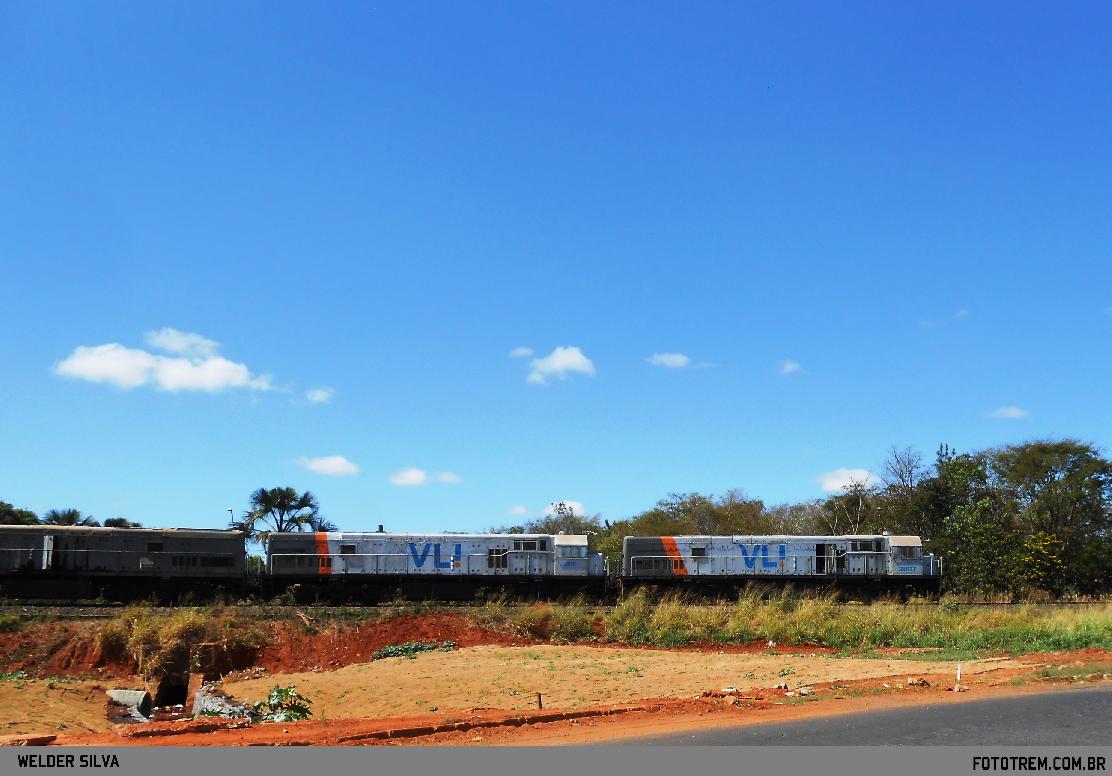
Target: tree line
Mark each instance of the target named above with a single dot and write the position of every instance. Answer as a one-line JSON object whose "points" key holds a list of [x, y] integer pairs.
{"points": [[1034, 516], [10, 515]]}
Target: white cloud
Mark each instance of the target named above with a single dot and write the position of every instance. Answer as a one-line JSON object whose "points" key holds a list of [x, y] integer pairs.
{"points": [[576, 507], [329, 465], [517, 510], [409, 477], [322, 394], [413, 477], [669, 360], [840, 479], [129, 368], [788, 367], [521, 352], [1008, 413], [560, 363], [962, 313], [183, 343]]}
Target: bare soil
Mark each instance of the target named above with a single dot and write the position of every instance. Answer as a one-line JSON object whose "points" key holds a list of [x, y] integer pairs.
{"points": [[484, 691], [568, 677]]}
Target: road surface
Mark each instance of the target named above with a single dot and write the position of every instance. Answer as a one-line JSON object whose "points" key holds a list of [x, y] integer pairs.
{"points": [[1081, 717]]}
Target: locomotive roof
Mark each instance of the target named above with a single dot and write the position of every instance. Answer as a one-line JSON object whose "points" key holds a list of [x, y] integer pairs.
{"points": [[901, 541], [94, 529], [340, 535]]}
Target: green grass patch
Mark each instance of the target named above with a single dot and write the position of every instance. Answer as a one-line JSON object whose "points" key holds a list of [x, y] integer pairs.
{"points": [[412, 649]]}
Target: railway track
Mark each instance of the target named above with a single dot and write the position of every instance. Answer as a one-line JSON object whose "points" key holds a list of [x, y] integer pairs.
{"points": [[289, 611]]}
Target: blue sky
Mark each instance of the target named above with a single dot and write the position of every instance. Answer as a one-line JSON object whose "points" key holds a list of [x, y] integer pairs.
{"points": [[909, 203]]}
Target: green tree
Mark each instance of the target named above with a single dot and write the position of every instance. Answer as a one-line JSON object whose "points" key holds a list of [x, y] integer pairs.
{"points": [[68, 517], [281, 510], [985, 552], [121, 522], [10, 515]]}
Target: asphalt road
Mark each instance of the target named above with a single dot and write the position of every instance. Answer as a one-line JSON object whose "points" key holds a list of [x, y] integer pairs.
{"points": [[1081, 717]]}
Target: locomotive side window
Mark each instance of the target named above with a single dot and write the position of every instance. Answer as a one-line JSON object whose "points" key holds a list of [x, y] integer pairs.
{"points": [[154, 546], [698, 552], [525, 545], [347, 549], [496, 558]]}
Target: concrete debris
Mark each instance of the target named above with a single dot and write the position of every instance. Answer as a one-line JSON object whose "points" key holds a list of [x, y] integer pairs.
{"points": [[805, 691], [917, 681], [210, 701], [789, 694], [781, 686], [129, 706]]}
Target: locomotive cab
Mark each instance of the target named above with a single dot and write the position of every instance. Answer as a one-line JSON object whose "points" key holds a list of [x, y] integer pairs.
{"points": [[905, 556]]}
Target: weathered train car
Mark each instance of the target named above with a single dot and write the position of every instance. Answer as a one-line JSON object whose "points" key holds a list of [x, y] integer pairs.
{"points": [[869, 561], [48, 561], [370, 566]]}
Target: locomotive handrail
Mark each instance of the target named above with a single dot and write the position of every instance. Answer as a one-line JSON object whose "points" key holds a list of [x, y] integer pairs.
{"points": [[408, 556], [780, 569], [46, 557]]}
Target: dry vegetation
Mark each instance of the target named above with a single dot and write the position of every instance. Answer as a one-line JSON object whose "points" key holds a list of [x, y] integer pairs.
{"points": [[157, 641], [641, 620]]}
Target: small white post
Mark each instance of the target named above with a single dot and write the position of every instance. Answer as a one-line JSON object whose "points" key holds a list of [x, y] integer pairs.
{"points": [[959, 673]]}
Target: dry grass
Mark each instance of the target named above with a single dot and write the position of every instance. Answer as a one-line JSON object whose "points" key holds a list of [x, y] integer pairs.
{"points": [[672, 621], [159, 642]]}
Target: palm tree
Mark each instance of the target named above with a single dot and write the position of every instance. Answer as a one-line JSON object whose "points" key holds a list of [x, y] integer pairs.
{"points": [[68, 517], [281, 510]]}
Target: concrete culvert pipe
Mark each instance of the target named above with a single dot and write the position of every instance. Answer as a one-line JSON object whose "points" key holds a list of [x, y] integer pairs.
{"points": [[140, 700]]}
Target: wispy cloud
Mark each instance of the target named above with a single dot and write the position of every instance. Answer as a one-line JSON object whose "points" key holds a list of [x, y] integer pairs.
{"points": [[1008, 412], [322, 394], [521, 352], [669, 360], [575, 506], [414, 477], [933, 323], [407, 478], [184, 343], [789, 367], [195, 367], [329, 465], [517, 510], [560, 363], [840, 479]]}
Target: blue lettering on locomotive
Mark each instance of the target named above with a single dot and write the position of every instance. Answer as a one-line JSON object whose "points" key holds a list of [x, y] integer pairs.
{"points": [[771, 564], [451, 564], [761, 550], [419, 558]]}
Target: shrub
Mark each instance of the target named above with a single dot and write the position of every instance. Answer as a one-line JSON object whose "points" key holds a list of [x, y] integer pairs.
{"points": [[283, 704]]}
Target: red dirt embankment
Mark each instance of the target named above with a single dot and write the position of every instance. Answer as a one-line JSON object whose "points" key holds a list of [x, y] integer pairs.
{"points": [[70, 649], [60, 649], [294, 647]]}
